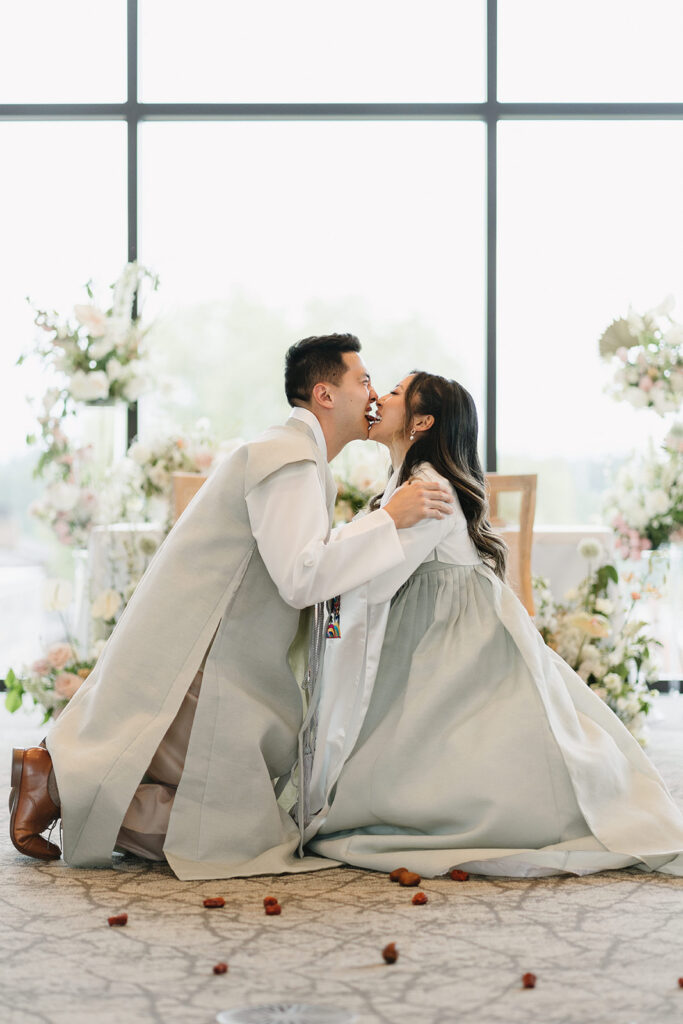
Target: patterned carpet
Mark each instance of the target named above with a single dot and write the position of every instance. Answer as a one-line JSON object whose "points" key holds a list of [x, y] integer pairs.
{"points": [[604, 948]]}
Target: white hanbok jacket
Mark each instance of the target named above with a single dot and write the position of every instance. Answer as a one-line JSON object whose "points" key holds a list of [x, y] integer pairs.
{"points": [[252, 548]]}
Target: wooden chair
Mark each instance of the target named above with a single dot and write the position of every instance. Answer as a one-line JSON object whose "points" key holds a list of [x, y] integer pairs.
{"points": [[185, 486], [517, 535]]}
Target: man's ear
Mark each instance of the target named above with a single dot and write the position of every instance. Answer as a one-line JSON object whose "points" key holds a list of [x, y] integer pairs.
{"points": [[321, 395]]}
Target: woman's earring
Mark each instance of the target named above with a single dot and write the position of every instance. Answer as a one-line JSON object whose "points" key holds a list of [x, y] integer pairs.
{"points": [[412, 435]]}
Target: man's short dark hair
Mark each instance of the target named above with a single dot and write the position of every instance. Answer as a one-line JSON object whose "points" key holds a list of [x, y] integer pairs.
{"points": [[313, 360]]}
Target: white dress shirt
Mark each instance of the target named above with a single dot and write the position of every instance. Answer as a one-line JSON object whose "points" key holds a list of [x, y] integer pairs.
{"points": [[290, 521]]}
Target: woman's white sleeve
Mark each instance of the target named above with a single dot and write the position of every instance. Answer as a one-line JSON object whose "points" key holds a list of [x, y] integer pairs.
{"points": [[418, 542]]}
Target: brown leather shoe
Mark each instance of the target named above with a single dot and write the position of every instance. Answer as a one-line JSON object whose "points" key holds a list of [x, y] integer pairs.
{"points": [[31, 808]]}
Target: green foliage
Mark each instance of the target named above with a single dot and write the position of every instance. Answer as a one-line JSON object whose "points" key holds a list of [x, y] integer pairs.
{"points": [[15, 692]]}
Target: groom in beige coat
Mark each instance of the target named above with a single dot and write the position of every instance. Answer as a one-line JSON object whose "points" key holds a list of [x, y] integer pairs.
{"points": [[222, 595]]}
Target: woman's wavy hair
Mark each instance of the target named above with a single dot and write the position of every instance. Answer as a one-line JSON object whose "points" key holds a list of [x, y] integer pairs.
{"points": [[450, 446]]}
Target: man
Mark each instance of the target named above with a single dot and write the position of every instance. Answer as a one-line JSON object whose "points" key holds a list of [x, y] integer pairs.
{"points": [[196, 677]]}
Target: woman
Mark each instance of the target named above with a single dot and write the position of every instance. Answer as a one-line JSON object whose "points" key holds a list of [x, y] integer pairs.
{"points": [[465, 741]]}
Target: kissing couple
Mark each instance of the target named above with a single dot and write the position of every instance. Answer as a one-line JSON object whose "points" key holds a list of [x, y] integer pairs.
{"points": [[280, 696]]}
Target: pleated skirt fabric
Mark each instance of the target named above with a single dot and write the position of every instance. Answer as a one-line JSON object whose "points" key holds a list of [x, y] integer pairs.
{"points": [[482, 749]]}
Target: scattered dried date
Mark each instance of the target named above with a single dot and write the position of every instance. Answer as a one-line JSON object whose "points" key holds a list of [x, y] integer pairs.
{"points": [[390, 953], [395, 875], [680, 982], [529, 980], [409, 878], [220, 968], [272, 908], [117, 921], [270, 901], [419, 898], [214, 901], [459, 876]]}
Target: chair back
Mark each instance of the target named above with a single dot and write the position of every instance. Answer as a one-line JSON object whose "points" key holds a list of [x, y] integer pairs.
{"points": [[185, 486], [515, 526]]}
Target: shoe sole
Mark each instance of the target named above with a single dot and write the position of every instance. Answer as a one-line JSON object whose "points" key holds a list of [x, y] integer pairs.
{"points": [[15, 781]]}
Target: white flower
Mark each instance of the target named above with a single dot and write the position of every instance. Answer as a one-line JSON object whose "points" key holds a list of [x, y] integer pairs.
{"points": [[114, 369], [674, 335], [92, 318], [590, 548], [656, 502], [664, 307], [106, 604], [140, 453], [98, 647], [638, 398], [99, 349], [49, 399], [571, 594], [604, 606], [135, 387], [63, 497], [159, 476], [57, 595], [89, 387], [612, 683]]}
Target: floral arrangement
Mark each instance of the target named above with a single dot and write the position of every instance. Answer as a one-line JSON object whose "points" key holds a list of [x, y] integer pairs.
{"points": [[646, 352], [360, 472], [645, 504], [599, 636], [141, 483], [52, 680], [96, 357], [99, 351]]}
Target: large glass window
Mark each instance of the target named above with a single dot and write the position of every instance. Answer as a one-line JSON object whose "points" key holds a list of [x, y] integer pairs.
{"points": [[73, 51], [62, 197], [583, 52], [266, 232], [590, 219], [312, 51]]}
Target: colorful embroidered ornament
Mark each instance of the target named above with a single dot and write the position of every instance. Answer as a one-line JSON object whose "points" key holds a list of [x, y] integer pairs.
{"points": [[333, 630]]}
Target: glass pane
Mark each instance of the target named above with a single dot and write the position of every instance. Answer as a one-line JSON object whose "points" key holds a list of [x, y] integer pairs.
{"points": [[611, 51], [264, 233], [267, 51], [62, 224], [68, 52], [590, 221]]}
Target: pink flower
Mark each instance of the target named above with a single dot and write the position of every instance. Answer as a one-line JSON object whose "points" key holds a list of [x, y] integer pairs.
{"points": [[41, 667], [62, 531], [645, 383], [645, 544], [60, 654], [204, 459], [92, 318], [66, 684]]}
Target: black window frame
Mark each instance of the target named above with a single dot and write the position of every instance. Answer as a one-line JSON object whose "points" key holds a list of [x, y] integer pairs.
{"points": [[491, 112]]}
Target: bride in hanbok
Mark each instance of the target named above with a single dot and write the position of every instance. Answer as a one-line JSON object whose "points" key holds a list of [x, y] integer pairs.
{"points": [[448, 734]]}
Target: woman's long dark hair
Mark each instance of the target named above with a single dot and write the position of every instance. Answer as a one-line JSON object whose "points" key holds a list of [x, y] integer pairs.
{"points": [[450, 446]]}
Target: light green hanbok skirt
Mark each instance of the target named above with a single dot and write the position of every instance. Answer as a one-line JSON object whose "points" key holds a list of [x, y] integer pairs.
{"points": [[483, 750]]}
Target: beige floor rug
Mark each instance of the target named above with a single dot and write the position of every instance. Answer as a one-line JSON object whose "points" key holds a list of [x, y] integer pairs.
{"points": [[604, 948]]}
